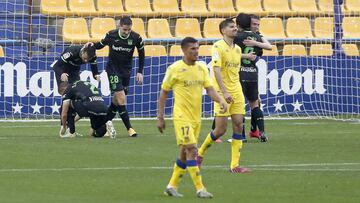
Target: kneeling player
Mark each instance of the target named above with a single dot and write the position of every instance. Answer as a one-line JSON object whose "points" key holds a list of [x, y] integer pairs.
{"points": [[84, 99]]}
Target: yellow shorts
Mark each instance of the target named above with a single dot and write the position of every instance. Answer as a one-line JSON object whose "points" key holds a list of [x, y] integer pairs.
{"points": [[237, 107], [186, 132]]}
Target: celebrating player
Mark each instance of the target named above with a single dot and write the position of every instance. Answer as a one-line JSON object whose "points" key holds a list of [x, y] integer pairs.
{"points": [[67, 68], [83, 98], [122, 43], [187, 77], [250, 41], [226, 58]]}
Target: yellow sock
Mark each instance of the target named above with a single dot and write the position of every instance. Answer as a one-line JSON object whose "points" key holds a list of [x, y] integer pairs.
{"points": [[206, 144], [195, 174], [236, 145], [178, 172]]}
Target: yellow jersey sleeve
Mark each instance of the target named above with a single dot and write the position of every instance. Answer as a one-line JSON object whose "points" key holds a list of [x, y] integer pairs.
{"points": [[216, 56], [169, 79]]}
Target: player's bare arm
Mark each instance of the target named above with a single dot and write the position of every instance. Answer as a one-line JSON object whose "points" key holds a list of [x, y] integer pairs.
{"points": [[264, 40], [161, 107], [219, 80], [263, 45], [250, 56], [217, 98]]}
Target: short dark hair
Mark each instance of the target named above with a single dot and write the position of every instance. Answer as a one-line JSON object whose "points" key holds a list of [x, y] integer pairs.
{"points": [[253, 16], [187, 40], [243, 20], [225, 23], [125, 20], [90, 50]]}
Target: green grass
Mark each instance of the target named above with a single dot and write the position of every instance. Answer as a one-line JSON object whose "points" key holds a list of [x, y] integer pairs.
{"points": [[305, 161]]}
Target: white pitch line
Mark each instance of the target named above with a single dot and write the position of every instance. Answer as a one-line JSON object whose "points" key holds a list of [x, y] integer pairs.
{"points": [[309, 169], [272, 167], [309, 164]]}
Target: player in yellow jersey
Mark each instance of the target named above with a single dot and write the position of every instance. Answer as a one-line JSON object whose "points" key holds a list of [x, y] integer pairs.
{"points": [[187, 78], [226, 59]]}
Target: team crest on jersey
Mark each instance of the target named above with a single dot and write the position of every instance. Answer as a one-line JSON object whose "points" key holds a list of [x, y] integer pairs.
{"points": [[130, 41], [66, 55]]}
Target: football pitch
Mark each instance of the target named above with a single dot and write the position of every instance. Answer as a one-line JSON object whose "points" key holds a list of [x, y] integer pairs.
{"points": [[304, 161]]}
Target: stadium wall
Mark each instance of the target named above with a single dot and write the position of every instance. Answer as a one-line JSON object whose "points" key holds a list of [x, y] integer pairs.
{"points": [[319, 86]]}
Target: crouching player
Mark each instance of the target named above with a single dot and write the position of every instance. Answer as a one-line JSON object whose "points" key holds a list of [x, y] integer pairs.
{"points": [[83, 98]]}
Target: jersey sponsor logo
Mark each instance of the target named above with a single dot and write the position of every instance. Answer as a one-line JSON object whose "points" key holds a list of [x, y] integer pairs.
{"points": [[231, 64], [248, 69], [188, 83], [96, 98], [121, 48]]}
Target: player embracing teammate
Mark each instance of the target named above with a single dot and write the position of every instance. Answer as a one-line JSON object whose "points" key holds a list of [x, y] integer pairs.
{"points": [[251, 41]]}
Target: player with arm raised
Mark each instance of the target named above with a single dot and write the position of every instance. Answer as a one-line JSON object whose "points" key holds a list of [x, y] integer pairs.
{"points": [[250, 41], [122, 43], [187, 78], [67, 67], [226, 58]]}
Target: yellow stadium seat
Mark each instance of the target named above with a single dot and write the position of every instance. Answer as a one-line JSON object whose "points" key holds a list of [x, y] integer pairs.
{"points": [[175, 50], [100, 26], [351, 27], [205, 50], [211, 27], [298, 28], [324, 27], [352, 6], [326, 6], [82, 7], [294, 50], [321, 50], [166, 7], [246, 6], [158, 28], [75, 30], [194, 8], [138, 26], [186, 27], [139, 7], [277, 7], [155, 50], [350, 49], [54, 7], [272, 27], [273, 52], [221, 8], [110, 7], [104, 52], [304, 7], [1, 52]]}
